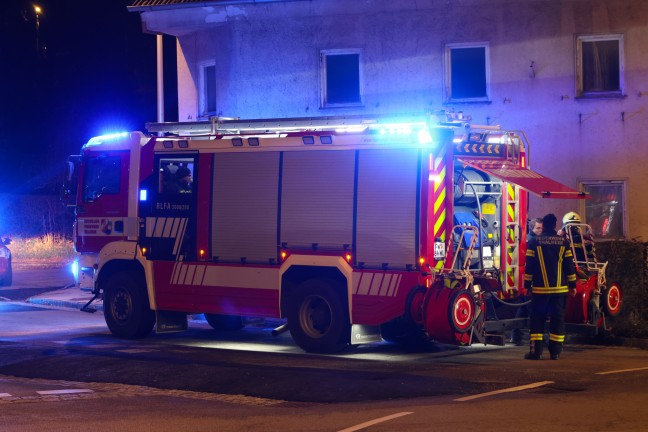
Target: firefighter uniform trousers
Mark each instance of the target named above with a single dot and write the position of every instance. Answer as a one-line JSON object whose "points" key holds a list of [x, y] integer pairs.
{"points": [[550, 272]]}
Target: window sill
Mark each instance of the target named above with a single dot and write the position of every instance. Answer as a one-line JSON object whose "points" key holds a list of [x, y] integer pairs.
{"points": [[601, 95], [343, 105], [468, 101]]}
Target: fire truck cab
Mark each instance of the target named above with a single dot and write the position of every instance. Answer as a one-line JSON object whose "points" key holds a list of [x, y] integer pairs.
{"points": [[350, 228]]}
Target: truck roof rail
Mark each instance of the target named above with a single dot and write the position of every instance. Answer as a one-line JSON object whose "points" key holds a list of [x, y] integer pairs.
{"points": [[229, 125]]}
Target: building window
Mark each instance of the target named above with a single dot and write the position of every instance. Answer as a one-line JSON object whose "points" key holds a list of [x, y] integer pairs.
{"points": [[467, 72], [599, 66], [340, 78], [207, 102], [605, 211]]}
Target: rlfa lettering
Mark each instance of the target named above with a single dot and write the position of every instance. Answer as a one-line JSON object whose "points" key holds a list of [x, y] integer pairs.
{"points": [[169, 206]]}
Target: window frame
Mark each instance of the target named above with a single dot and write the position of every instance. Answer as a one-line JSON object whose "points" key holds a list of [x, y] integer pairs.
{"points": [[623, 182], [580, 92], [324, 103], [448, 71], [203, 97]]}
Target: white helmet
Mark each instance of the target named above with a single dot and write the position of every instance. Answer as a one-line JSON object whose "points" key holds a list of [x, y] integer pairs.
{"points": [[571, 217]]}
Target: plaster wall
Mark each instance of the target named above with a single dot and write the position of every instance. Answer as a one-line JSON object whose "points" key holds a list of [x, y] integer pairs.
{"points": [[267, 62]]}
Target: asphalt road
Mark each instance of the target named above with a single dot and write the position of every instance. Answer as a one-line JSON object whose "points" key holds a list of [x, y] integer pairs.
{"points": [[62, 370]]}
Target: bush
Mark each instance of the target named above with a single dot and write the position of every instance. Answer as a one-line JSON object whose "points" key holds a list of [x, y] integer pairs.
{"points": [[627, 265], [48, 251]]}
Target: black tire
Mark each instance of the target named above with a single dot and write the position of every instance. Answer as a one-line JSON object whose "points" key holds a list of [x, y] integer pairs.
{"points": [[318, 318], [224, 322], [126, 307]]}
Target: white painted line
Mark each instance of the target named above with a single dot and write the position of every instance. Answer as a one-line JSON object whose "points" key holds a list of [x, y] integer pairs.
{"points": [[66, 391], [376, 421], [506, 390], [5, 395], [621, 371]]}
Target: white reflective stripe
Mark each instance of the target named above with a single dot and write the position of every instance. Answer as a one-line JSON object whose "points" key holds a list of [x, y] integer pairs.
{"points": [[365, 283], [199, 275], [167, 227], [180, 236], [159, 227], [376, 283], [189, 277], [392, 286], [182, 273], [149, 227], [176, 272], [174, 227]]}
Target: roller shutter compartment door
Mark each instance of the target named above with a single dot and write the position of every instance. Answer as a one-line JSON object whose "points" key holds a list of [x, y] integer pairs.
{"points": [[317, 198], [387, 207], [244, 209]]}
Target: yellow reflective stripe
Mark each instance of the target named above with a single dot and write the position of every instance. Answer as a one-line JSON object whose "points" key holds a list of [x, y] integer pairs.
{"points": [[550, 290], [571, 278], [536, 336], [530, 253], [560, 258], [556, 338], [568, 254], [440, 222], [528, 277], [439, 183], [439, 201], [543, 269]]}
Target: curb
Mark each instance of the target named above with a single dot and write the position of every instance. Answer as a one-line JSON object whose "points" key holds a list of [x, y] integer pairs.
{"points": [[63, 304]]}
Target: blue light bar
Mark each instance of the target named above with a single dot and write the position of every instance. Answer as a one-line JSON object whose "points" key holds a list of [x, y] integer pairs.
{"points": [[109, 137]]}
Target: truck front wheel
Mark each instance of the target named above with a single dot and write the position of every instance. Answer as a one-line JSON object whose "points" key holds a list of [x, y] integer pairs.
{"points": [[317, 317], [126, 306]]}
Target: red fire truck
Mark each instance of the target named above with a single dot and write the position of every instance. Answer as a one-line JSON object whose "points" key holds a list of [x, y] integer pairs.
{"points": [[350, 228]]}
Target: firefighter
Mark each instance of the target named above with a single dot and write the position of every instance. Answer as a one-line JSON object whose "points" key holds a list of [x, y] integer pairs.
{"points": [[550, 275], [535, 229], [585, 253], [181, 183]]}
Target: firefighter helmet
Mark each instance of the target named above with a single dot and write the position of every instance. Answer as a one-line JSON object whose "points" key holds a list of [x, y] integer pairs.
{"points": [[571, 217]]}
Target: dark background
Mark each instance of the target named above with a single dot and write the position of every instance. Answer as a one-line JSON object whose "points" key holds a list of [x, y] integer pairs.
{"points": [[93, 72]]}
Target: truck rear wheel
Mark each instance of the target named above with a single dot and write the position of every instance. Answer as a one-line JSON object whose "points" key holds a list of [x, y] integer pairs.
{"points": [[126, 307], [224, 322], [318, 318]]}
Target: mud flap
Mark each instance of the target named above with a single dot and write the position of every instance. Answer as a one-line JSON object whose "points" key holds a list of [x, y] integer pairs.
{"points": [[170, 322], [362, 334]]}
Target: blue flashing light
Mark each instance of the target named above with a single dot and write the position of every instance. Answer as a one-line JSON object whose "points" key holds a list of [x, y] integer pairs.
{"points": [[424, 137], [143, 194], [74, 268], [109, 137]]}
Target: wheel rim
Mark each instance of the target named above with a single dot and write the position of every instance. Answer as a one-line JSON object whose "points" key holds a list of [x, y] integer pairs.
{"points": [[463, 312], [613, 300], [122, 305], [315, 316]]}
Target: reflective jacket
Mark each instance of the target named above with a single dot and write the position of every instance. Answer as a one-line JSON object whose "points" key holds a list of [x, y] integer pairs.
{"points": [[549, 265]]}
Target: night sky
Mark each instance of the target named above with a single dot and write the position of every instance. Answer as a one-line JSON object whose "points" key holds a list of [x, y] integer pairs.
{"points": [[94, 73]]}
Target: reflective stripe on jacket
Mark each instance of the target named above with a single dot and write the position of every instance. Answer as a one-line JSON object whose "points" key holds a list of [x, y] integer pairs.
{"points": [[549, 265]]}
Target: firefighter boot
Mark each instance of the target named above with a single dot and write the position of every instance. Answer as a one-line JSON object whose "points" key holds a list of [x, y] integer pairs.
{"points": [[555, 348], [535, 351]]}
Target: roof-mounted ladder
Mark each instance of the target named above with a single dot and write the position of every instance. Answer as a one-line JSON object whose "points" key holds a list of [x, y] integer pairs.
{"points": [[229, 125]]}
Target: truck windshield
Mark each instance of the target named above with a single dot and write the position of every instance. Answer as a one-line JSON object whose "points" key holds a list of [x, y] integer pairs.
{"points": [[102, 177]]}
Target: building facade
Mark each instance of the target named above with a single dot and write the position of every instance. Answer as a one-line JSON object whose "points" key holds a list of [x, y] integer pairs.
{"points": [[571, 74]]}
